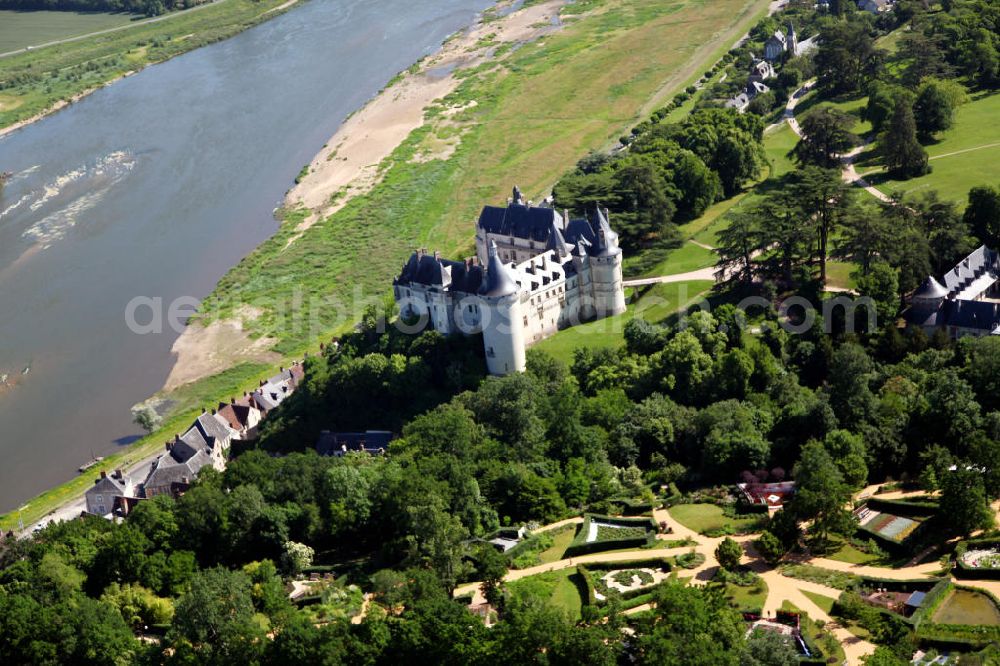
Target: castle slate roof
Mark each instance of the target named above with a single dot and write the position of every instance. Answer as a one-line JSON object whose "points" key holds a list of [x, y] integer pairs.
{"points": [[499, 281], [981, 315], [930, 288], [518, 220], [423, 268]]}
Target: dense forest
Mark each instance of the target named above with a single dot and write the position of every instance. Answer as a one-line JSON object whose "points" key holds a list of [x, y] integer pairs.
{"points": [[684, 406], [146, 7]]}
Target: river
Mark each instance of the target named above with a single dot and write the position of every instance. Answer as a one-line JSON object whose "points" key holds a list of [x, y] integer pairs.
{"points": [[154, 187]]}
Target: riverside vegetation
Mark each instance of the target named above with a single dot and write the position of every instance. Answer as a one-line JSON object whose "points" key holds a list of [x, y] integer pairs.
{"points": [[36, 81]]}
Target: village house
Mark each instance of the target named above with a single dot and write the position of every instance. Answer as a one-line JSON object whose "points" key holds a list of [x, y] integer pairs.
{"points": [[242, 417], [203, 444], [760, 70], [375, 442], [273, 390], [109, 494], [968, 303], [535, 273], [780, 43]]}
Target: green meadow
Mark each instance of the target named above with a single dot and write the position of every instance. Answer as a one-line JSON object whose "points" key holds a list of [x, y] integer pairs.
{"points": [[36, 80], [966, 155], [21, 29]]}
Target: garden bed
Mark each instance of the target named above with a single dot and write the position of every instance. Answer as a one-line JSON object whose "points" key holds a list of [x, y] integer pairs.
{"points": [[601, 533]]}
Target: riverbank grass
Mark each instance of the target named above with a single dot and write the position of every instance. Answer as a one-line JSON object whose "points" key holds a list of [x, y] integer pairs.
{"points": [[41, 78], [22, 29]]}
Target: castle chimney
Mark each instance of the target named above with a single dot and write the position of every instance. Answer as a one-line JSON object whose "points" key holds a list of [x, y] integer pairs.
{"points": [[204, 411], [232, 401], [565, 217], [104, 474], [213, 412], [437, 255], [118, 474]]}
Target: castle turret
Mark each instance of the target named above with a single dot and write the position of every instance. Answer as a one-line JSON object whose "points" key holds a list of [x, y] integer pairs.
{"points": [[606, 269], [502, 318]]}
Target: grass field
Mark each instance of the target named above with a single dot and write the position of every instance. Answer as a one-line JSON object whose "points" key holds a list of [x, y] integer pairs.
{"points": [[560, 588], [850, 554], [561, 539], [750, 597], [704, 518], [824, 602], [21, 29], [34, 81], [967, 155]]}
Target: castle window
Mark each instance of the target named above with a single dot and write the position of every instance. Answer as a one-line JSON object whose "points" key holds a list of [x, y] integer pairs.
{"points": [[525, 320]]}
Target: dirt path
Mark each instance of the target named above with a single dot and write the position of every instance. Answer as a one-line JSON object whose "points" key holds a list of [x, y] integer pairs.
{"points": [[781, 589]]}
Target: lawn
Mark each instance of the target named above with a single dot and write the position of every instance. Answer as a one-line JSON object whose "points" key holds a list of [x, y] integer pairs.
{"points": [[656, 304], [688, 257], [778, 143], [561, 539], [967, 155], [704, 518], [824, 602], [838, 274], [748, 597], [21, 29], [561, 588]]}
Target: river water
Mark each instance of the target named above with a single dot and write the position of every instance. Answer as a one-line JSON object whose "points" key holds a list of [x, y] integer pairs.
{"points": [[154, 187]]}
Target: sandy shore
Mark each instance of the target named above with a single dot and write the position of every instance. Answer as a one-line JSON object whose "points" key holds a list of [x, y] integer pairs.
{"points": [[348, 166], [206, 350]]}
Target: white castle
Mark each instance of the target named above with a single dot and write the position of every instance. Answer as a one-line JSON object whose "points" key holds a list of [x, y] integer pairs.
{"points": [[543, 272]]}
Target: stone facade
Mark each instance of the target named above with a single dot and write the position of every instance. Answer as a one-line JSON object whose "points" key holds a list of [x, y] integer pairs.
{"points": [[535, 273]]}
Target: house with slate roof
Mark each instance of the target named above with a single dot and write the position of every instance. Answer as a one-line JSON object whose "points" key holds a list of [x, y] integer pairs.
{"points": [[535, 273], [109, 494], [966, 301], [273, 390], [203, 444]]}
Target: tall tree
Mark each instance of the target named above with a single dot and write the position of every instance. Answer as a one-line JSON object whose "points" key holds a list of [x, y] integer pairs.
{"points": [[983, 214], [826, 134], [963, 501], [821, 494], [904, 156], [738, 242], [826, 200], [934, 107]]}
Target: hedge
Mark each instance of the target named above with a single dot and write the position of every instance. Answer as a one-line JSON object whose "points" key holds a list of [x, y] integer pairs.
{"points": [[964, 571], [932, 600], [648, 563], [584, 570], [580, 546], [905, 508]]}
